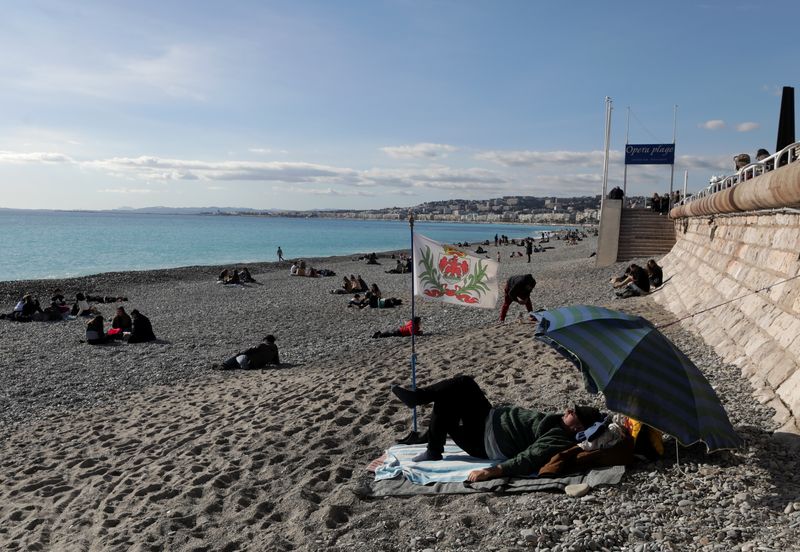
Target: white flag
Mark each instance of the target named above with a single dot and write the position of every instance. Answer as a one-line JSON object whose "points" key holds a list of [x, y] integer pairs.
{"points": [[448, 274]]}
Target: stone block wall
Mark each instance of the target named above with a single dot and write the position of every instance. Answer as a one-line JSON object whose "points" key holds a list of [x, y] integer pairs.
{"points": [[726, 259]]}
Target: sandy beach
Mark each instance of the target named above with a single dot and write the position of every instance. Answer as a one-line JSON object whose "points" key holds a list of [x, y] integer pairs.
{"points": [[146, 447]]}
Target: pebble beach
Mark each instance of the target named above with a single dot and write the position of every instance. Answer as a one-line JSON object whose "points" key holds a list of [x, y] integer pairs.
{"points": [[148, 447]]}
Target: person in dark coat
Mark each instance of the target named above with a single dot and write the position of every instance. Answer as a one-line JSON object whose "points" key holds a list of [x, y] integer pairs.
{"points": [[520, 440], [654, 273], [518, 290], [142, 329], [95, 335], [255, 358]]}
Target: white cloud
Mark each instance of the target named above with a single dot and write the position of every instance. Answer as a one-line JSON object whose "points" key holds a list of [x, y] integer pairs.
{"points": [[323, 191], [713, 124], [439, 178], [34, 157], [536, 158], [125, 191], [423, 150], [266, 151], [747, 127], [155, 168]]}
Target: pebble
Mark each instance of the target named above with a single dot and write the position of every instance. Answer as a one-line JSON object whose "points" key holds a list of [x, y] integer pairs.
{"points": [[577, 490]]}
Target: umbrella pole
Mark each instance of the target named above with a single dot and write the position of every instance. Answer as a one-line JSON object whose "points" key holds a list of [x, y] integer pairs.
{"points": [[413, 315]]}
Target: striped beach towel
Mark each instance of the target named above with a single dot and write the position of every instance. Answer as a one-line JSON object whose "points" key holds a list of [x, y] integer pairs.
{"points": [[453, 468]]}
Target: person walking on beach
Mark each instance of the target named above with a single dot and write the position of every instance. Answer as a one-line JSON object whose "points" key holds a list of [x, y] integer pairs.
{"points": [[518, 290], [521, 440], [280, 253]]}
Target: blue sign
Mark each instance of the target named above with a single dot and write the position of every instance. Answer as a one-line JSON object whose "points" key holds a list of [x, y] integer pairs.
{"points": [[650, 154]]}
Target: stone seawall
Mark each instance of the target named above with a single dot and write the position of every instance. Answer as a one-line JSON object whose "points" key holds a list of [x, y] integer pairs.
{"points": [[728, 258]]}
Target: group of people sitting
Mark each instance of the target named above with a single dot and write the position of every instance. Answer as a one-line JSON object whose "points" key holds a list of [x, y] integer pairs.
{"points": [[637, 281], [403, 266], [134, 328], [235, 277], [351, 285], [28, 308], [299, 268]]}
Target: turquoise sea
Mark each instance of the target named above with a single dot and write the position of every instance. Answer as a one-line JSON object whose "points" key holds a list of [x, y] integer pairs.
{"points": [[37, 245]]}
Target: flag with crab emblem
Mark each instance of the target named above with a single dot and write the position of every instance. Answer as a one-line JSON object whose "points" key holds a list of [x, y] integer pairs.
{"points": [[448, 274]]}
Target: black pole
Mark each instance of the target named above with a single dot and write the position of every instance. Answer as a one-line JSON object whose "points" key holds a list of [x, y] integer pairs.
{"points": [[786, 120]]}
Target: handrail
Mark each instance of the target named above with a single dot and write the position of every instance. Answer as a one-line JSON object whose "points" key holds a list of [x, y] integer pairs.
{"points": [[789, 154]]}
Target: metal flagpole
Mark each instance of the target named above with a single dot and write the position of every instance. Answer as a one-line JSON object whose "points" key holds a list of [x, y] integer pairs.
{"points": [[605, 157], [625, 170], [413, 316], [672, 167]]}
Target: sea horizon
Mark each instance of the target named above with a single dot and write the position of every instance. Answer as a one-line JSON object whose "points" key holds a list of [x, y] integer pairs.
{"points": [[46, 244]]}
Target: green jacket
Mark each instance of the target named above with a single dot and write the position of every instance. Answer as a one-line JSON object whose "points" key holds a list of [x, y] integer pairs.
{"points": [[528, 438]]}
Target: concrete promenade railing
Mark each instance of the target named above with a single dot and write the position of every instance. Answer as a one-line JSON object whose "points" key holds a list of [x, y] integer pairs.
{"points": [[756, 186]]}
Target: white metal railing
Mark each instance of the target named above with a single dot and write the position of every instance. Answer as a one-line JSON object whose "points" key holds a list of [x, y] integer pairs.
{"points": [[789, 154]]}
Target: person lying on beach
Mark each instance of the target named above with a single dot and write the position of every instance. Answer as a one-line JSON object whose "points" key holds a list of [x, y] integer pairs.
{"points": [[95, 335], [255, 358], [520, 440], [141, 330], [382, 303], [358, 302], [104, 298], [403, 331], [518, 290], [636, 283]]}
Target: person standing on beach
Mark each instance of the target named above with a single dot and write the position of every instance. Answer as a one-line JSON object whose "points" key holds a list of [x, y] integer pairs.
{"points": [[518, 290], [529, 248], [280, 253]]}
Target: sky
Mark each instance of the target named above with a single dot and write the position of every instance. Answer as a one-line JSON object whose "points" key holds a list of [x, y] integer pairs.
{"points": [[304, 104]]}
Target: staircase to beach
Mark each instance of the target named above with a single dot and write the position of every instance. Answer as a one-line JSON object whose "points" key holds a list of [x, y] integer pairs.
{"points": [[643, 233]]}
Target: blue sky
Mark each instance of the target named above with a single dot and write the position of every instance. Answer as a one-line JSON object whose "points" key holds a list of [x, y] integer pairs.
{"points": [[365, 104]]}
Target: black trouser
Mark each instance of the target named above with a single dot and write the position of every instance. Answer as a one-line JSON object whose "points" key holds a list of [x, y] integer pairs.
{"points": [[459, 410]]}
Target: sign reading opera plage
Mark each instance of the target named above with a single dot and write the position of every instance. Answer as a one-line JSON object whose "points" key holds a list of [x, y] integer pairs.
{"points": [[650, 154]]}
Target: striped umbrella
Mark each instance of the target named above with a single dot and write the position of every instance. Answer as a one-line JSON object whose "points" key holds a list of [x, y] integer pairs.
{"points": [[641, 373]]}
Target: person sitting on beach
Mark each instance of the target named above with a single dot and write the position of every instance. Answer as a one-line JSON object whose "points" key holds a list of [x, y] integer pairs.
{"points": [[122, 321], [654, 273], [480, 250], [518, 290], [406, 330], [245, 276], [372, 258], [398, 269], [95, 335], [362, 285], [358, 302], [375, 290], [141, 330], [24, 309], [82, 306], [301, 269], [58, 301], [255, 358], [520, 440], [224, 276], [294, 268], [347, 287], [636, 283]]}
